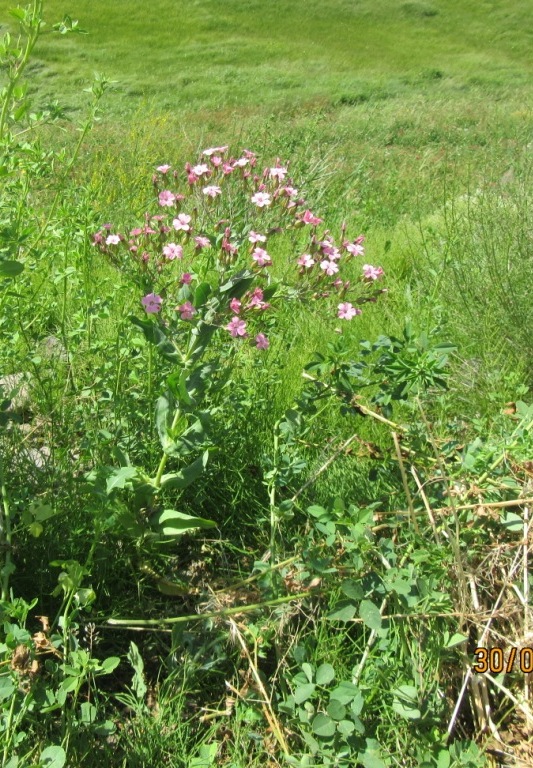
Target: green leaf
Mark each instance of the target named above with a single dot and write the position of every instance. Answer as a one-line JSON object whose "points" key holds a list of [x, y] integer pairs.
{"points": [[206, 756], [154, 334], [370, 614], [69, 684], [406, 710], [323, 725], [53, 757], [344, 693], [343, 611], [120, 478], [336, 710], [88, 713], [177, 385], [304, 692], [308, 671], [513, 522], [7, 687], [456, 639], [106, 728], [200, 295], [325, 674], [238, 284], [173, 523], [406, 702], [346, 727], [109, 665], [352, 589], [187, 475], [138, 683], [10, 268]]}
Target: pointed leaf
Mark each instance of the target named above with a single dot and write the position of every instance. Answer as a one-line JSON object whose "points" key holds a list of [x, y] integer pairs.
{"points": [[119, 478], [154, 334], [173, 523], [200, 295], [187, 475]]}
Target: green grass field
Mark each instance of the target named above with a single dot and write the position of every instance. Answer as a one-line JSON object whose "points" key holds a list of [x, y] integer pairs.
{"points": [[256, 56], [410, 122]]}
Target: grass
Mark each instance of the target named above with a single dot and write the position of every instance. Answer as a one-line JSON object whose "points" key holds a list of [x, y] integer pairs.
{"points": [[411, 122], [185, 57]]}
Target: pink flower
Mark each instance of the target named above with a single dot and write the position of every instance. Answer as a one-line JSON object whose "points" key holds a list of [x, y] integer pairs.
{"points": [[256, 298], [173, 251], [236, 327], [254, 237], [372, 273], [240, 163], [112, 240], [261, 341], [261, 199], [167, 198], [182, 222], [212, 191], [202, 242], [163, 168], [261, 257], [347, 311], [289, 191], [216, 160], [310, 218], [329, 267], [278, 173], [214, 151], [227, 168], [201, 170], [235, 306], [356, 249], [186, 278], [152, 303], [331, 251], [136, 231], [187, 311], [306, 260]]}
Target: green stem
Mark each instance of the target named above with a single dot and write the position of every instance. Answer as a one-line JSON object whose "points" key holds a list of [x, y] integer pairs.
{"points": [[272, 493], [5, 533], [17, 71], [164, 457], [9, 730], [256, 576], [214, 614]]}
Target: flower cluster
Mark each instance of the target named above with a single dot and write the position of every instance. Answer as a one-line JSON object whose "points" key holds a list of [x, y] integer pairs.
{"points": [[190, 221]]}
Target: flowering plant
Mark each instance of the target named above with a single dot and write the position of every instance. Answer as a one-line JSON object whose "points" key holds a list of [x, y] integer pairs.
{"points": [[206, 263]]}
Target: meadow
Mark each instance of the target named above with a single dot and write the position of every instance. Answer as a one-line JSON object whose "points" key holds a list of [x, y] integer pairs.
{"points": [[241, 523]]}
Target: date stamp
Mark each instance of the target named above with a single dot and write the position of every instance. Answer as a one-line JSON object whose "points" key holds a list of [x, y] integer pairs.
{"points": [[496, 660]]}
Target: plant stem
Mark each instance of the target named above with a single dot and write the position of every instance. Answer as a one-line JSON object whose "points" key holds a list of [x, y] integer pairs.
{"points": [[272, 493], [33, 31], [164, 457], [5, 533], [213, 615]]}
